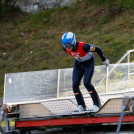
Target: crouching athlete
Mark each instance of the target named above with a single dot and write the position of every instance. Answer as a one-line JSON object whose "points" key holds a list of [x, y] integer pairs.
{"points": [[83, 66]]}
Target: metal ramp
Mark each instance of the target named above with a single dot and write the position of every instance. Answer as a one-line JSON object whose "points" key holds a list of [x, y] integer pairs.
{"points": [[44, 97], [108, 114], [111, 105], [51, 90]]}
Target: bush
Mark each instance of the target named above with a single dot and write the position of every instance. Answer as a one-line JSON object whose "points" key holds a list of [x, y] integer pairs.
{"points": [[115, 6], [6, 8]]}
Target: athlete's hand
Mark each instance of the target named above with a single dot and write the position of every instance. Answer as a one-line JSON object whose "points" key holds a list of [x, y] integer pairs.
{"points": [[106, 62]]}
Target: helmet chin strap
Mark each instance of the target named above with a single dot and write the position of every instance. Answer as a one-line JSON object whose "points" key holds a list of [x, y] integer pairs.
{"points": [[74, 47]]}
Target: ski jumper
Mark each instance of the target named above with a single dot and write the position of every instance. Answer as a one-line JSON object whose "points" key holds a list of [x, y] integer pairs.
{"points": [[84, 66]]}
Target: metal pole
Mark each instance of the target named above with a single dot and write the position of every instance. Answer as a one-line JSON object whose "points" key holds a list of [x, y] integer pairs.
{"points": [[58, 83], [127, 80], [120, 122], [7, 124], [106, 88], [1, 117], [4, 98]]}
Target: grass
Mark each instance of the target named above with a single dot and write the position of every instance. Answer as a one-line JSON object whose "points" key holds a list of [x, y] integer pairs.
{"points": [[11, 123], [31, 42]]}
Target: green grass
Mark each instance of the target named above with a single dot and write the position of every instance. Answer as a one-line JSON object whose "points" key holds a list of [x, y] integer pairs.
{"points": [[31, 42], [11, 123]]}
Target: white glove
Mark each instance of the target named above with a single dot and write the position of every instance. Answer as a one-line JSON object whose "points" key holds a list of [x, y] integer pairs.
{"points": [[106, 62]]}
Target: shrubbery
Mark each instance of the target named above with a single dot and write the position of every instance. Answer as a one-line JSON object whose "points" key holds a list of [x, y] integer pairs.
{"points": [[115, 6], [5, 7]]}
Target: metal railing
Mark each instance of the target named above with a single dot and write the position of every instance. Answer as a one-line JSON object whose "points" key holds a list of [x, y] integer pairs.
{"points": [[52, 84], [108, 72]]}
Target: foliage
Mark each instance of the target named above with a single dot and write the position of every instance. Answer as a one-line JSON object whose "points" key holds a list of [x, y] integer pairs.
{"points": [[5, 7]]}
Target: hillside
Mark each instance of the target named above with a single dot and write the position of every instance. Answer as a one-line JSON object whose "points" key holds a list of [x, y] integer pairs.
{"points": [[33, 42]]}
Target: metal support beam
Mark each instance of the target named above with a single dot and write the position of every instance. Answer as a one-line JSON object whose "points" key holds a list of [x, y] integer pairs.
{"points": [[107, 80], [7, 125], [58, 83], [127, 80], [73, 121]]}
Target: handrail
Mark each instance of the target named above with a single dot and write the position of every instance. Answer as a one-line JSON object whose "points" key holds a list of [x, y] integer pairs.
{"points": [[129, 51], [117, 63]]}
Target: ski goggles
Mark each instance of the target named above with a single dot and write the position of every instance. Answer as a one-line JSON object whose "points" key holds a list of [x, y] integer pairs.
{"points": [[67, 45]]}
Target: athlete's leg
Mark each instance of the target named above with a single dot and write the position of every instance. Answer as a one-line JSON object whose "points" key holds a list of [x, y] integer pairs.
{"points": [[77, 76], [89, 70]]}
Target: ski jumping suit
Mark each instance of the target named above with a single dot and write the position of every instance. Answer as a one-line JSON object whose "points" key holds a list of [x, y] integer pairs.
{"points": [[84, 66]]}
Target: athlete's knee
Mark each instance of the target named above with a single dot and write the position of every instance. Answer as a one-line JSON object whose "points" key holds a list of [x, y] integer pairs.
{"points": [[76, 89], [88, 85], [75, 86]]}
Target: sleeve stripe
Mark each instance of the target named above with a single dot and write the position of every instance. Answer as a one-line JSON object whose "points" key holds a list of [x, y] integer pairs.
{"points": [[93, 49]]}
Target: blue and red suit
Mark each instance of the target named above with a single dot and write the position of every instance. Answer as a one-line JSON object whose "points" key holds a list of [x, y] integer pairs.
{"points": [[84, 66]]}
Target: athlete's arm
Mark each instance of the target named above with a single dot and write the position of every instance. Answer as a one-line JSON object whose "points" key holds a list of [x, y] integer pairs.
{"points": [[92, 48]]}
